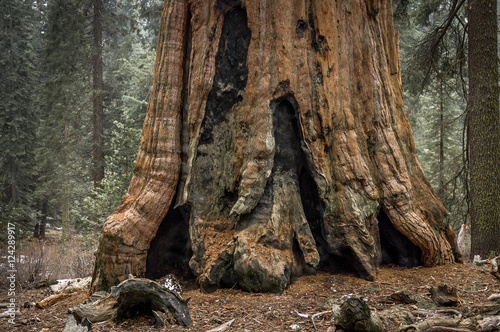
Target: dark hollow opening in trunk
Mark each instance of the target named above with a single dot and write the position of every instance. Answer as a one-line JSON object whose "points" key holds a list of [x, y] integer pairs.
{"points": [[397, 249], [342, 260], [290, 157], [170, 250], [314, 209]]}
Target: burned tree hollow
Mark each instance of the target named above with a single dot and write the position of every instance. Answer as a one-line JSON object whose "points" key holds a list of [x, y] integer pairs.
{"points": [[287, 138], [397, 249], [170, 250]]}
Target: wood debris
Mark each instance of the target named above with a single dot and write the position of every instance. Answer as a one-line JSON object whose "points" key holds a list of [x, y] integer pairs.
{"points": [[51, 300]]}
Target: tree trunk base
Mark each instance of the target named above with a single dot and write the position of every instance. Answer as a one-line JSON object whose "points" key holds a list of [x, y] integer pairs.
{"points": [[281, 125]]}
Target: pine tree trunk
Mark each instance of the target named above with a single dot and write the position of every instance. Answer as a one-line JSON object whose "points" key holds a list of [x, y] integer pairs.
{"points": [[484, 128], [66, 190], [97, 98], [441, 188], [279, 128]]}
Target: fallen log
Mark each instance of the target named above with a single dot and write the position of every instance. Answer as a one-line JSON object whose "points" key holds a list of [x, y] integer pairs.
{"points": [[439, 325], [71, 285], [51, 300], [223, 327], [136, 297], [493, 297], [447, 329], [494, 268], [489, 324], [442, 324], [99, 311]]}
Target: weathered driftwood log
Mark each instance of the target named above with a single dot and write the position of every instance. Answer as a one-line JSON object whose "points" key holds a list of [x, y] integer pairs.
{"points": [[136, 297], [355, 316], [445, 295]]}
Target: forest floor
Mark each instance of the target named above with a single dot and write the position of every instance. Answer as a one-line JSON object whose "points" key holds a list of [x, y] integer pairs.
{"points": [[283, 312]]}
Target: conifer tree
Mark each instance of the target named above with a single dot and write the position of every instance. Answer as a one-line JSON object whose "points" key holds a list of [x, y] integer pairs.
{"points": [[19, 34], [484, 127], [64, 155]]}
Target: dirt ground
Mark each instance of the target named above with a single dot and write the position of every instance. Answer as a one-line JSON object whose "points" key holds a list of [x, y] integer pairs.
{"points": [[285, 312]]}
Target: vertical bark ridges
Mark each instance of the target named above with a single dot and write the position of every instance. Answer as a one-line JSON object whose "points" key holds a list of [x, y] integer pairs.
{"points": [[300, 156]]}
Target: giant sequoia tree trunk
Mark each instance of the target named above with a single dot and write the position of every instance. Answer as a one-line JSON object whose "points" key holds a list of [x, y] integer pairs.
{"points": [[275, 145]]}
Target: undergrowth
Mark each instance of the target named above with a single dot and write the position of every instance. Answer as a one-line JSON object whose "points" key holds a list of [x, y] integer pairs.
{"points": [[42, 261]]}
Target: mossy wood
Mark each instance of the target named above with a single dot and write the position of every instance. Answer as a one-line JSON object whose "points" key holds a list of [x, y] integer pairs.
{"points": [[275, 145]]}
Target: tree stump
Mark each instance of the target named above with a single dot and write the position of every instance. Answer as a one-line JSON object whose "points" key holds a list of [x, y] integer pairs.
{"points": [[136, 297], [355, 316]]}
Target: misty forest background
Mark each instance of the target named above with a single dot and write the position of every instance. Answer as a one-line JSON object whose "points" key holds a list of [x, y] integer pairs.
{"points": [[64, 86]]}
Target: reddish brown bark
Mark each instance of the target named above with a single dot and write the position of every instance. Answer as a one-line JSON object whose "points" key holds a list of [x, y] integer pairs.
{"points": [[127, 233], [298, 153]]}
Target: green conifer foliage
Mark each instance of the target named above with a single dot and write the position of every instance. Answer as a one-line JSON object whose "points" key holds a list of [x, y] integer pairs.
{"points": [[19, 34], [65, 153], [434, 63]]}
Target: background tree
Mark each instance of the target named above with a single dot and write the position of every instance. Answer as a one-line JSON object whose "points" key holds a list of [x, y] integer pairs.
{"points": [[484, 126], [19, 63], [433, 43], [237, 90], [440, 61], [97, 85], [66, 155], [67, 114]]}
